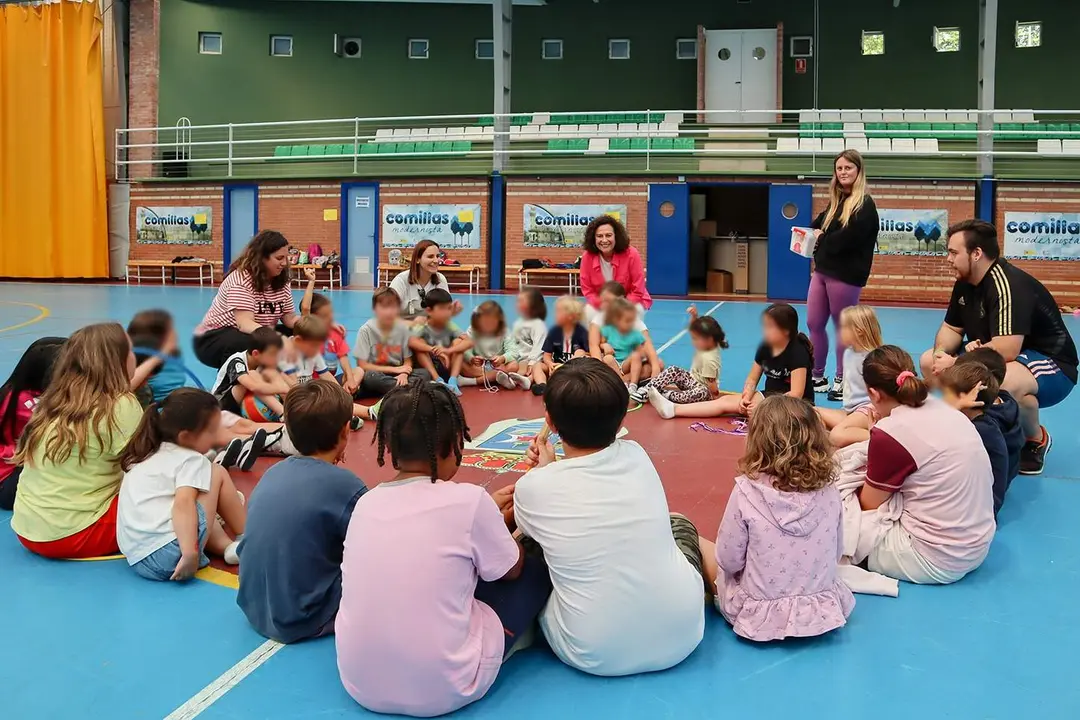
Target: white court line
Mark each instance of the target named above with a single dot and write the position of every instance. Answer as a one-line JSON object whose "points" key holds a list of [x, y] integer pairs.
{"points": [[682, 332], [226, 682]]}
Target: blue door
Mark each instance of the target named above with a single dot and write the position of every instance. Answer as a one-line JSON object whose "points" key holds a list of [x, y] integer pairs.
{"points": [[789, 274], [241, 219], [360, 253], [668, 242]]}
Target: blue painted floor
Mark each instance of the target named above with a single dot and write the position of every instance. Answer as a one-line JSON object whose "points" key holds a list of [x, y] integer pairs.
{"points": [[93, 640]]}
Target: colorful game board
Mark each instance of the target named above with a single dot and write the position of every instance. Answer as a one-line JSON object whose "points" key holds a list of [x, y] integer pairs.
{"points": [[512, 437]]}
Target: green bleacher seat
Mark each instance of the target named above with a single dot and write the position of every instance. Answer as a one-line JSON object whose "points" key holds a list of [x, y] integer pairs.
{"points": [[639, 144], [595, 119], [943, 131], [663, 143], [443, 146], [808, 130], [282, 151], [619, 144], [299, 150], [1075, 129], [655, 118], [875, 129], [1057, 130], [578, 145], [557, 145], [486, 121], [966, 131], [1033, 131], [686, 144], [832, 130], [406, 147], [316, 150], [521, 120], [1011, 131], [425, 147], [577, 119], [370, 148], [560, 119], [920, 130], [334, 150], [387, 148], [462, 146], [897, 130]]}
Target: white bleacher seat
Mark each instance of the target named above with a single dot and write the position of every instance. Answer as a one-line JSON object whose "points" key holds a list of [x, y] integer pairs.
{"points": [[955, 116], [530, 132], [474, 132], [879, 145], [853, 127], [787, 144], [548, 132], [515, 132], [402, 133], [851, 137], [608, 129], [1049, 147], [540, 119], [832, 145], [666, 129], [914, 116], [904, 145], [934, 116], [872, 116], [809, 116], [927, 146], [830, 116], [1070, 147], [487, 134], [808, 145], [437, 133], [587, 130], [857, 144], [628, 130], [598, 146], [419, 134], [847, 116], [566, 131], [673, 117], [1003, 116], [384, 135], [1023, 116], [455, 133], [892, 116]]}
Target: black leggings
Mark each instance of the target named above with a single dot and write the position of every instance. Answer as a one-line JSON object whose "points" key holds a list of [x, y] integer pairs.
{"points": [[215, 347], [8, 487], [518, 602]]}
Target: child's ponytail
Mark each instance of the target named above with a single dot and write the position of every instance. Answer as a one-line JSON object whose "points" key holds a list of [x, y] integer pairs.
{"points": [[183, 410], [787, 319], [804, 340], [890, 371]]}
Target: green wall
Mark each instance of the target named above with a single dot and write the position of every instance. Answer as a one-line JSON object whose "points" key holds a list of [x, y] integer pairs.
{"points": [[246, 84]]}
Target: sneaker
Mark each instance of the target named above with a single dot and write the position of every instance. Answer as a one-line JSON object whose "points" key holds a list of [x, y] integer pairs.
{"points": [[836, 392], [355, 423], [640, 395], [539, 389], [373, 411], [521, 381], [227, 458], [452, 383], [1033, 455], [252, 449], [504, 381], [821, 384], [230, 556], [664, 407]]}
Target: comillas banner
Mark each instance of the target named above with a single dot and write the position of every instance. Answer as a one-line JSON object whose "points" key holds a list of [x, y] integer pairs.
{"points": [[173, 225], [564, 225], [453, 227], [912, 232], [1042, 236]]}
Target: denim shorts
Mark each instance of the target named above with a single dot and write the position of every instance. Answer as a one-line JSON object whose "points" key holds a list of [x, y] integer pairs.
{"points": [[160, 564]]}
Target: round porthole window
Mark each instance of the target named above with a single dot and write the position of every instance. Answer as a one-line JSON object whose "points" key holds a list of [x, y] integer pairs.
{"points": [[759, 53], [667, 209], [790, 211], [724, 54]]}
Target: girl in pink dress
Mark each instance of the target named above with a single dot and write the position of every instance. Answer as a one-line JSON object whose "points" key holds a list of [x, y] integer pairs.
{"points": [[780, 538]]}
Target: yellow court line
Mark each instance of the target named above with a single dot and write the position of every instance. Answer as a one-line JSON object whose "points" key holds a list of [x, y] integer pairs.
{"points": [[102, 558], [43, 312], [219, 577]]}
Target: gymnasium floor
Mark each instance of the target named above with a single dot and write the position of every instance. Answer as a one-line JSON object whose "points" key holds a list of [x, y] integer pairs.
{"points": [[90, 639]]}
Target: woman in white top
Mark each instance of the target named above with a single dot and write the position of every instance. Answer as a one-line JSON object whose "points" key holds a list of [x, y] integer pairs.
{"points": [[423, 275]]}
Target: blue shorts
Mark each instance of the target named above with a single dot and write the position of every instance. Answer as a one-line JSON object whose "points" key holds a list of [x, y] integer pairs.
{"points": [[160, 564], [1054, 385]]}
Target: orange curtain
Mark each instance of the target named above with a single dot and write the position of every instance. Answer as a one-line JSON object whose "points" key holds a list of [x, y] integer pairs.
{"points": [[53, 208]]}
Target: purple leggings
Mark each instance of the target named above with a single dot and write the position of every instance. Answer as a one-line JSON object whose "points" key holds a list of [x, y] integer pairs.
{"points": [[827, 297]]}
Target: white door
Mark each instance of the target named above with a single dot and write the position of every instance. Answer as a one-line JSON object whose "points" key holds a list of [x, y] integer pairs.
{"points": [[740, 74]]}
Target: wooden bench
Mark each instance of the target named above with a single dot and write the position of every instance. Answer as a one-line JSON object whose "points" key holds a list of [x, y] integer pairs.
{"points": [[334, 272], [473, 275], [550, 278], [168, 271]]}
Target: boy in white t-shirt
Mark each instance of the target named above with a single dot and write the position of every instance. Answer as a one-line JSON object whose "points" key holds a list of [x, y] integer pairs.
{"points": [[304, 362], [629, 578]]}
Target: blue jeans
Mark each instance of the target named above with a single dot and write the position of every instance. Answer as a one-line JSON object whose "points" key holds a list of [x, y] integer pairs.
{"points": [[160, 564]]}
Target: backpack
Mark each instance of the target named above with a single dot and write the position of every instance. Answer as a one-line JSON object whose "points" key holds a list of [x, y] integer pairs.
{"points": [[314, 250]]}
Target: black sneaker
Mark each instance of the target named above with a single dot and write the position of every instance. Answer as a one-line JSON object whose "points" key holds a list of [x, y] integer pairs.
{"points": [[1033, 455], [821, 384], [836, 392], [228, 457], [538, 389], [253, 448], [355, 423]]}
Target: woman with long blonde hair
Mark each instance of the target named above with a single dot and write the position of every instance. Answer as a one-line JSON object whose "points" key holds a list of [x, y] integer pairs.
{"points": [[66, 505], [846, 237]]}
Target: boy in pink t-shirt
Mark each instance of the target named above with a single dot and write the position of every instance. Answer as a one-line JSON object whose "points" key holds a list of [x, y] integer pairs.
{"points": [[417, 632]]}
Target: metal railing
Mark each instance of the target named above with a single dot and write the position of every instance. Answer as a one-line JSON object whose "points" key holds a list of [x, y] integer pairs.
{"points": [[234, 150]]}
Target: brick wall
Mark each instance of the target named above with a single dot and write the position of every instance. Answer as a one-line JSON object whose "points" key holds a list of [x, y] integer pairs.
{"points": [[143, 66], [633, 193], [905, 278], [1062, 278], [178, 196], [296, 210]]}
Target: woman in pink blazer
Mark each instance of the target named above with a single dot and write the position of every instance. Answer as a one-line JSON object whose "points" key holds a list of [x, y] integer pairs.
{"points": [[609, 257]]}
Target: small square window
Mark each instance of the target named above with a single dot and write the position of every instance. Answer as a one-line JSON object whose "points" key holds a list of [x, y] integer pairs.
{"points": [[618, 49], [281, 45], [947, 39], [873, 42], [551, 50], [485, 49], [1029, 34], [209, 43], [418, 49], [686, 49]]}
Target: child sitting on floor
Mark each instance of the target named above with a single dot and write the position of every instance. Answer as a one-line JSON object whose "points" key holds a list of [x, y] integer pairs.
{"points": [[382, 348], [629, 577], [785, 357], [860, 333], [437, 343], [1004, 411], [780, 539], [971, 388], [155, 376], [650, 361], [18, 398], [566, 340], [433, 551], [529, 334], [171, 495], [303, 361], [622, 343], [335, 350], [493, 356], [290, 574], [702, 382]]}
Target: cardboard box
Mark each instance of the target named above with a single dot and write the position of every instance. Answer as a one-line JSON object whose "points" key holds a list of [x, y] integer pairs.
{"points": [[706, 228], [803, 241], [742, 267], [720, 282]]}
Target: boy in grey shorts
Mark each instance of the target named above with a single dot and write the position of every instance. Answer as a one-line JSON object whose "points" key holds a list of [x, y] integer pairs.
{"points": [[382, 348]]}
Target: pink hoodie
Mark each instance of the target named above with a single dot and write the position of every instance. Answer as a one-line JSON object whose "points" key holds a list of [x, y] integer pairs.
{"points": [[778, 553]]}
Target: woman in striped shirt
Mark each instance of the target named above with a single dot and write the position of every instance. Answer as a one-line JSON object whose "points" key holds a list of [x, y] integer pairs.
{"points": [[256, 293]]}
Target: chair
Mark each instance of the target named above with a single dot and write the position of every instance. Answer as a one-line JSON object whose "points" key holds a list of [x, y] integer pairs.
{"points": [[1047, 146], [685, 144], [935, 116], [608, 129], [830, 116], [877, 146], [384, 134], [620, 144], [853, 127], [858, 145], [1023, 116], [597, 146], [847, 116], [956, 116], [911, 116], [904, 146], [926, 146], [869, 116], [787, 145], [541, 118], [628, 129], [892, 116], [1070, 147], [402, 134], [455, 133], [832, 145], [809, 116], [809, 145]]}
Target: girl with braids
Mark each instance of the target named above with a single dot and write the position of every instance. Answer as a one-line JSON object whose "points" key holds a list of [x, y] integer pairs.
{"points": [[171, 495], [437, 554]]}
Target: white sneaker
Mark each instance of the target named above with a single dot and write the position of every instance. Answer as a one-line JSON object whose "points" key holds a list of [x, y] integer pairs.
{"points": [[521, 381], [664, 407], [230, 555], [505, 381]]}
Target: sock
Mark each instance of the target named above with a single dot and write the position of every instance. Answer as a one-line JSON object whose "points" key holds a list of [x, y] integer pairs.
{"points": [[466, 381], [504, 380], [664, 407], [230, 555], [521, 381]]}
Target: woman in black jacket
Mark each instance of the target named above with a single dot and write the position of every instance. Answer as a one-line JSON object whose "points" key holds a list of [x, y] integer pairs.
{"points": [[846, 237]]}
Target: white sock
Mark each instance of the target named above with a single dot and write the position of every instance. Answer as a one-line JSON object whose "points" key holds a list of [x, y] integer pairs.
{"points": [[505, 381], [664, 407], [230, 555], [466, 381], [522, 381]]}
